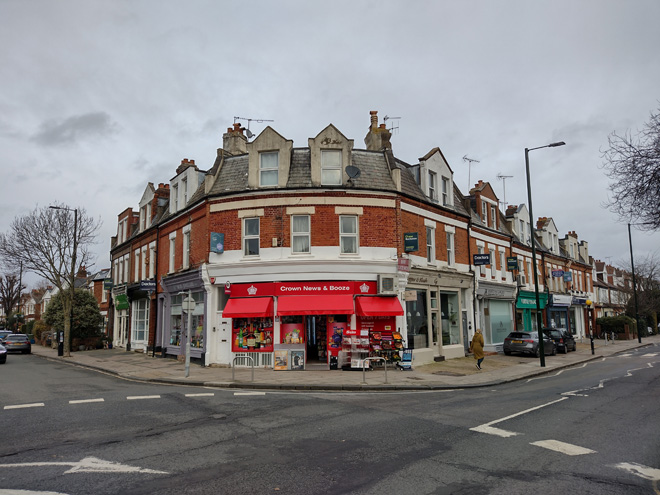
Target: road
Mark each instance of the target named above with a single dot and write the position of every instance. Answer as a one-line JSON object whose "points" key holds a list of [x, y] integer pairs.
{"points": [[589, 430]]}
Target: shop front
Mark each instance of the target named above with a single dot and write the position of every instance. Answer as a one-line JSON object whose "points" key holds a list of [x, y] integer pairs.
{"points": [[496, 313], [578, 316], [526, 318], [307, 325], [176, 325], [558, 311]]}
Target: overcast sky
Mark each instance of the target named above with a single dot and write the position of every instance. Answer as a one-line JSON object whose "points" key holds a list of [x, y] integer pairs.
{"points": [[98, 98]]}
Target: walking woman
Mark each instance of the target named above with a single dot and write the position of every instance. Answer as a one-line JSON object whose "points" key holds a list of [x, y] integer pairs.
{"points": [[477, 347]]}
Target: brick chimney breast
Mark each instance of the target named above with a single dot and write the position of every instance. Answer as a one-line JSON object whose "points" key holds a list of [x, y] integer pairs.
{"points": [[378, 137]]}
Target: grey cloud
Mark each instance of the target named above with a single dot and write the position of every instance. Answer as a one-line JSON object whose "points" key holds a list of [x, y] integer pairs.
{"points": [[74, 129]]}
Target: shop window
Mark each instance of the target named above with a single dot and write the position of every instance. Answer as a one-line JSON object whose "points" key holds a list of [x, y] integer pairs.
{"points": [[417, 317], [252, 334], [251, 236], [300, 234], [140, 325], [178, 319], [501, 323], [451, 331], [348, 234]]}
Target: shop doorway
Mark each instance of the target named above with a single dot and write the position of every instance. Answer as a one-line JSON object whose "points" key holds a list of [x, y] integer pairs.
{"points": [[316, 334]]}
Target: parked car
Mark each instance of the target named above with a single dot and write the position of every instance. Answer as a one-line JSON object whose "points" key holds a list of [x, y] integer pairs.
{"points": [[4, 333], [528, 343], [18, 342], [3, 355], [563, 339]]}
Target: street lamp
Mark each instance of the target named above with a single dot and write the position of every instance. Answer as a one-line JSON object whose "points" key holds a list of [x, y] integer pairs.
{"points": [[632, 264], [72, 281], [539, 321]]}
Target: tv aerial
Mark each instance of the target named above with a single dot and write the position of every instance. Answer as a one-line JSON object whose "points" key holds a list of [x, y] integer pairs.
{"points": [[248, 132], [470, 162], [503, 178], [394, 127]]}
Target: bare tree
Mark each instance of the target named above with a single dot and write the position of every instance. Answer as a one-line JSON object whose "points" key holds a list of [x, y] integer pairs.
{"points": [[10, 290], [43, 241], [633, 165]]}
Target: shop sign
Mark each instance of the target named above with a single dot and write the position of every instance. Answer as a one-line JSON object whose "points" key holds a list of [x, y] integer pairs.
{"points": [[579, 301], [568, 277], [403, 265], [121, 302], [410, 242], [217, 242], [511, 263], [481, 259], [527, 300], [261, 289], [148, 285], [410, 295], [107, 284], [227, 287], [561, 300], [557, 273]]}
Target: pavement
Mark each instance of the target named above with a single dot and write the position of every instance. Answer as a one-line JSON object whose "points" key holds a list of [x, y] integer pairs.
{"points": [[446, 375]]}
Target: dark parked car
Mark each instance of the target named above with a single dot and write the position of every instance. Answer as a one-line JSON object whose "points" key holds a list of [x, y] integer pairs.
{"points": [[528, 343], [18, 342], [4, 333], [563, 339], [3, 355]]}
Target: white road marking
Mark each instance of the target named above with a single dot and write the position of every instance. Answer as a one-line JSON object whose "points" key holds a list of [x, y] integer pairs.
{"points": [[89, 465], [249, 393], [564, 448], [200, 395], [486, 428], [653, 354], [85, 401], [27, 492], [139, 397], [645, 472], [21, 406]]}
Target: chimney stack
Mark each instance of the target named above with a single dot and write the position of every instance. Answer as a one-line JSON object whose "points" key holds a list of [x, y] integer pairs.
{"points": [[378, 137], [234, 141]]}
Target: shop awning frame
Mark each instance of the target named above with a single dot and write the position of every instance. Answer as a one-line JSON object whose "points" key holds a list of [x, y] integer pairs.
{"points": [[336, 304], [378, 306], [248, 307]]}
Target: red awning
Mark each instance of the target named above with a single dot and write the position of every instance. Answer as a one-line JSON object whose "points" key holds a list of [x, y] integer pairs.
{"points": [[248, 307], [315, 305], [379, 306]]}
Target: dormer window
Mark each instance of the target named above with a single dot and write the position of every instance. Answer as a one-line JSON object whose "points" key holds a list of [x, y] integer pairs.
{"points": [[433, 186], [175, 197], [268, 168], [493, 216], [331, 167], [484, 212], [184, 187], [445, 191]]}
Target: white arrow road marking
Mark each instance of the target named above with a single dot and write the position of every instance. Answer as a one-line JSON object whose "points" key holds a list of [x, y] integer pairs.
{"points": [[27, 492], [90, 465], [564, 448], [645, 472], [85, 401], [486, 428], [21, 406], [140, 397]]}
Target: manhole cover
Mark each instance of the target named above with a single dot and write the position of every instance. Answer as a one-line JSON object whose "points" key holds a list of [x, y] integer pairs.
{"points": [[448, 373]]}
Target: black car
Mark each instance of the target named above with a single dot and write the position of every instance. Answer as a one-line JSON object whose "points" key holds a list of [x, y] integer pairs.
{"points": [[528, 343], [562, 338]]}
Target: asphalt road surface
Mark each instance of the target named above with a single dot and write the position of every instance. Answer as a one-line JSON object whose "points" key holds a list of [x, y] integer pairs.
{"points": [[592, 429]]}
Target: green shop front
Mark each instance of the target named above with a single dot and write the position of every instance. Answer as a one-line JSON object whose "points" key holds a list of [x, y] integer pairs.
{"points": [[526, 310]]}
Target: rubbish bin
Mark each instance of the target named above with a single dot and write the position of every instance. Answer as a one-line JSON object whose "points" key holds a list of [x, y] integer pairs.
{"points": [[333, 363]]}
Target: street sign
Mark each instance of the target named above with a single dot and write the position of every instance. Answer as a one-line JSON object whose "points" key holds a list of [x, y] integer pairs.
{"points": [[148, 285], [188, 304], [557, 273]]}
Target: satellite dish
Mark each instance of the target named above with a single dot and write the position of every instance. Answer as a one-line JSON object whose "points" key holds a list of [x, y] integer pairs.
{"points": [[249, 133], [353, 172]]}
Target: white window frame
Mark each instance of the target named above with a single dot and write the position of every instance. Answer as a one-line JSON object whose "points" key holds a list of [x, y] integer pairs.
{"points": [[126, 259], [172, 254], [502, 264], [433, 186], [143, 263], [445, 191], [152, 260], [186, 247], [451, 260], [493, 216], [493, 262], [136, 320], [484, 212], [175, 197], [136, 260], [345, 236], [268, 170], [251, 237], [327, 168], [184, 189], [430, 244], [301, 234]]}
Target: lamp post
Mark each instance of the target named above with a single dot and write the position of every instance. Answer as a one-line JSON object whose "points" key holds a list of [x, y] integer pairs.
{"points": [[72, 281], [591, 324], [539, 321], [632, 264]]}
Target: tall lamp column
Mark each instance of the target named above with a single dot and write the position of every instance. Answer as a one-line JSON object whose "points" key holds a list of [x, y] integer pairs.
{"points": [[539, 319]]}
